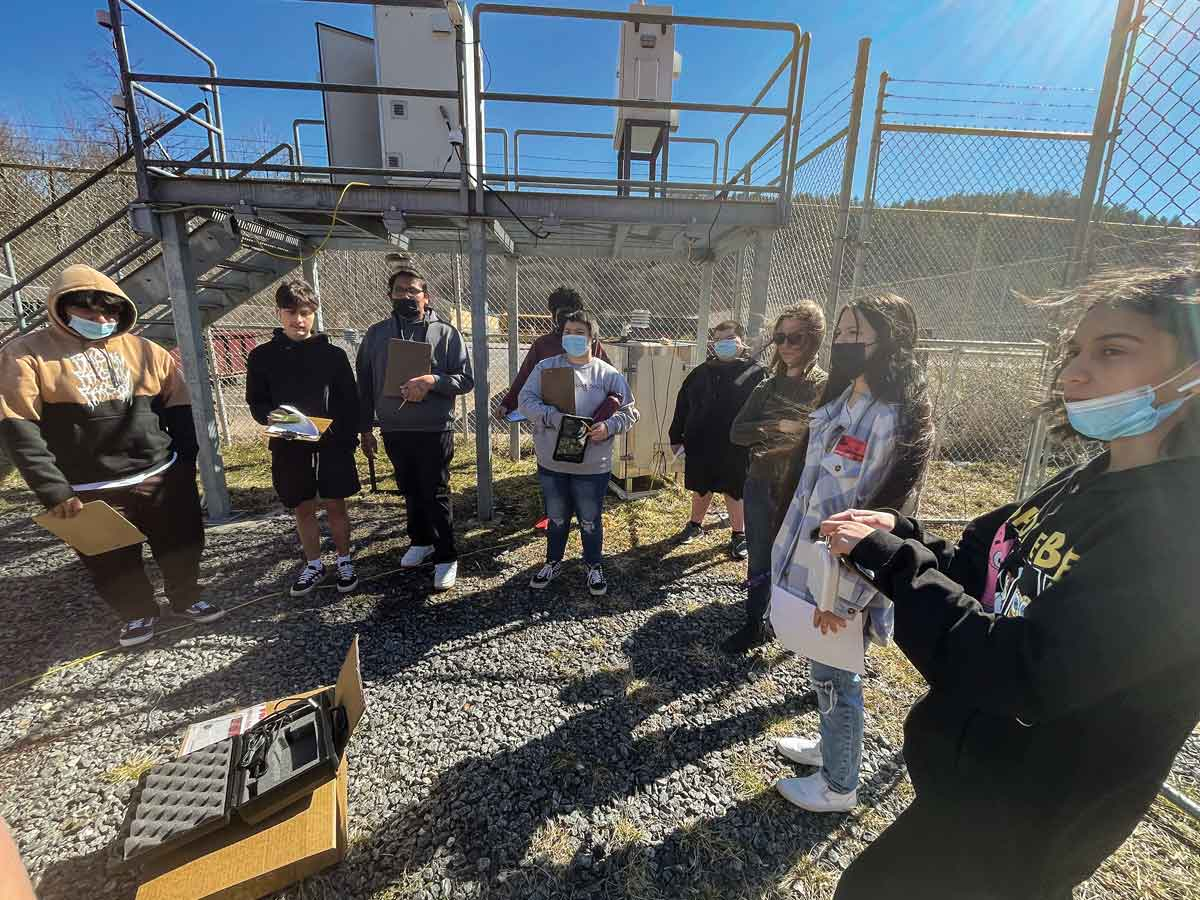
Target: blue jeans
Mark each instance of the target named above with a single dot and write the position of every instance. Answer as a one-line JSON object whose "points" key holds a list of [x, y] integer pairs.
{"points": [[757, 496], [581, 495], [840, 705]]}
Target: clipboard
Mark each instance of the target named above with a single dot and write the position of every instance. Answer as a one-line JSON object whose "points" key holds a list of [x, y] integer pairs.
{"points": [[405, 361], [558, 388], [308, 428], [97, 529], [792, 619]]}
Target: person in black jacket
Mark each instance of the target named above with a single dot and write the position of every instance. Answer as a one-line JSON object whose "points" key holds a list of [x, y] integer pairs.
{"points": [[1061, 637], [305, 371], [709, 399]]}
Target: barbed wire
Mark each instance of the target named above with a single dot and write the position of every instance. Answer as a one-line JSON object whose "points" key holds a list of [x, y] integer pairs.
{"points": [[994, 84]]}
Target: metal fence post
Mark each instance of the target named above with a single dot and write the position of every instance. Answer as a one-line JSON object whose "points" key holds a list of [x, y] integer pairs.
{"points": [[760, 281], [1103, 130], [514, 347], [218, 390], [177, 260], [842, 236], [739, 293], [458, 323], [477, 235], [864, 221], [18, 306], [312, 275], [704, 312]]}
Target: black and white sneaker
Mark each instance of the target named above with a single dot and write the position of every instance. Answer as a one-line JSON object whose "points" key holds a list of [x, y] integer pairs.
{"points": [[202, 612], [347, 580], [690, 532], [137, 632], [309, 579], [595, 581], [737, 546], [545, 575]]}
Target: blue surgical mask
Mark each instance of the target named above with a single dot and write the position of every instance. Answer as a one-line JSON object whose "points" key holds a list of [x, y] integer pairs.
{"points": [[576, 344], [1126, 414], [726, 348], [92, 331]]}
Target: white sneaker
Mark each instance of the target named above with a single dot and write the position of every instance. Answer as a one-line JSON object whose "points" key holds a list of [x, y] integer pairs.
{"points": [[813, 794], [444, 575], [805, 751], [415, 556]]}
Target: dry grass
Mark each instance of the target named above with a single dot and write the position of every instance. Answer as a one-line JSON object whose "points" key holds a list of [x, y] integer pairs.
{"points": [[130, 770], [554, 844]]}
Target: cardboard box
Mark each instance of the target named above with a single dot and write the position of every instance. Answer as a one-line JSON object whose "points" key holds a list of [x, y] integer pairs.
{"points": [[244, 862]]}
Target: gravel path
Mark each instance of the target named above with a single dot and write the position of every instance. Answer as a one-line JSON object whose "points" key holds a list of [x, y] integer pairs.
{"points": [[516, 746]]}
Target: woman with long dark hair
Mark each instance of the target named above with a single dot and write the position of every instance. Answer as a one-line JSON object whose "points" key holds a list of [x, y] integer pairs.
{"points": [[1060, 637], [870, 439]]}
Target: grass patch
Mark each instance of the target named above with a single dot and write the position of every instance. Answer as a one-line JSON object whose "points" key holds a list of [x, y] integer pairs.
{"points": [[130, 770], [553, 843], [748, 778], [967, 490]]}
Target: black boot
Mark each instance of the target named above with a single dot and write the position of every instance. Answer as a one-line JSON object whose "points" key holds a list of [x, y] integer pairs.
{"points": [[752, 634]]}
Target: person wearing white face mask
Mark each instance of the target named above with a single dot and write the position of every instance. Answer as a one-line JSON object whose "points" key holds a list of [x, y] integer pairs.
{"points": [[577, 488], [89, 411], [709, 400], [1060, 636]]}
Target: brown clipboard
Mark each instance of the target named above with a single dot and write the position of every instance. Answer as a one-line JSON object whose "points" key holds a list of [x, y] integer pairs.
{"points": [[98, 528], [558, 388], [405, 361]]}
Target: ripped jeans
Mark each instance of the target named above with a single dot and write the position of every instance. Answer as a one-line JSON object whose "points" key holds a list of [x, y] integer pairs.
{"points": [[840, 704], [582, 495]]}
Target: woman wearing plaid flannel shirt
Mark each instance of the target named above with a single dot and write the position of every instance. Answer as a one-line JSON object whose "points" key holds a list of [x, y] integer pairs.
{"points": [[868, 442]]}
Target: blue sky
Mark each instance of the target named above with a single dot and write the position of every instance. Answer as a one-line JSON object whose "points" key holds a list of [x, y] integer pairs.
{"points": [[47, 50]]}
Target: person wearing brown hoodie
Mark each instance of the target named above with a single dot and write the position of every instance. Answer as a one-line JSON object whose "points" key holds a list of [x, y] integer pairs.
{"points": [[89, 411]]}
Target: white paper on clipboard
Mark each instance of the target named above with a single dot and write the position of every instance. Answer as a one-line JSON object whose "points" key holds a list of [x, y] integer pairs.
{"points": [[792, 619]]}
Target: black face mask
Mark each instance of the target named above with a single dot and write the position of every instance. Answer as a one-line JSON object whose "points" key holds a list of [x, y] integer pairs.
{"points": [[847, 362], [406, 308]]}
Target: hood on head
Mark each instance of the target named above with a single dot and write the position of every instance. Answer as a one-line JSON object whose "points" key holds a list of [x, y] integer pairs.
{"points": [[85, 278]]}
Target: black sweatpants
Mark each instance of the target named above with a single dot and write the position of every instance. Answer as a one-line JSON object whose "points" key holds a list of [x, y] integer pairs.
{"points": [[422, 463], [165, 508]]}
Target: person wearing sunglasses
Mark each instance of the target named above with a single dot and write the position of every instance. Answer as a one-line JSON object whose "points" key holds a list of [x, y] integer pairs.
{"points": [[709, 398], [770, 425], [89, 411]]}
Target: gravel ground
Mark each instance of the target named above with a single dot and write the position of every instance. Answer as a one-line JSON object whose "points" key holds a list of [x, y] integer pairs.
{"points": [[515, 746]]}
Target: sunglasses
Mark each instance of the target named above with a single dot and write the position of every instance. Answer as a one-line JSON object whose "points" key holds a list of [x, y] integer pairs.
{"points": [[111, 308], [796, 339]]}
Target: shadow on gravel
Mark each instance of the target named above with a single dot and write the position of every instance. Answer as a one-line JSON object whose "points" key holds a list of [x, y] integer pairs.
{"points": [[494, 811]]}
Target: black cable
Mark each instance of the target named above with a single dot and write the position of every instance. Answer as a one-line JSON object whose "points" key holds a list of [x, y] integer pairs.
{"points": [[545, 235]]}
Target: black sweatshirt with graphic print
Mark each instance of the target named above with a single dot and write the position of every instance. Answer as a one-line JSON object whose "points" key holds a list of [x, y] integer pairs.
{"points": [[1050, 725], [313, 375]]}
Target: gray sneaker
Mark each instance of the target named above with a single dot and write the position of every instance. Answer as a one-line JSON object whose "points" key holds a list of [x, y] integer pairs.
{"points": [[545, 575]]}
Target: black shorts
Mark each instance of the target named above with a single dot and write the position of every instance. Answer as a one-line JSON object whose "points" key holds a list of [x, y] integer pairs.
{"points": [[301, 471]]}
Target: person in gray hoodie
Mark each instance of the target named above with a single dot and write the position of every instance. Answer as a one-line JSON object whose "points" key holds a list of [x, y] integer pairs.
{"points": [[418, 425], [602, 396]]}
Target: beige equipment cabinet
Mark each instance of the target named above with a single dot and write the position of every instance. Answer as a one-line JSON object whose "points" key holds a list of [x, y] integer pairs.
{"points": [[642, 459]]}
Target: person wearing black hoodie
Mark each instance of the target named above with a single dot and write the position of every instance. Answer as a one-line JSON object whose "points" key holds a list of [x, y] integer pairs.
{"points": [[305, 371], [1060, 637]]}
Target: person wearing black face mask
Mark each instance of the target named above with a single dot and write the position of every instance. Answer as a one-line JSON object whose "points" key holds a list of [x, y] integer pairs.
{"points": [[418, 425]]}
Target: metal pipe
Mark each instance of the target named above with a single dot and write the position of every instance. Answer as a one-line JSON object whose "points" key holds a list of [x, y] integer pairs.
{"points": [[218, 390], [477, 235], [791, 137], [558, 12], [514, 347], [1182, 800], [18, 306], [703, 312], [1102, 132], [651, 105], [599, 136], [504, 134], [864, 222], [757, 100], [296, 123], [630, 182], [278, 148], [174, 107], [218, 119], [275, 84], [986, 132], [853, 129], [323, 170], [131, 116]]}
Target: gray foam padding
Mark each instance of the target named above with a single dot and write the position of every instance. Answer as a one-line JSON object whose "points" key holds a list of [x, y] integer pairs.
{"points": [[179, 801]]}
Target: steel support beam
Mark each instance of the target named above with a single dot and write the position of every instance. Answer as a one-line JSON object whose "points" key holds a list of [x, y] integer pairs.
{"points": [[512, 267], [177, 261], [760, 279], [477, 239], [700, 350]]}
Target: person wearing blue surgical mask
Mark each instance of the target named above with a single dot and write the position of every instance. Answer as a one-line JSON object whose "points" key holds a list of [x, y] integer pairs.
{"points": [[1060, 635], [709, 400]]}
